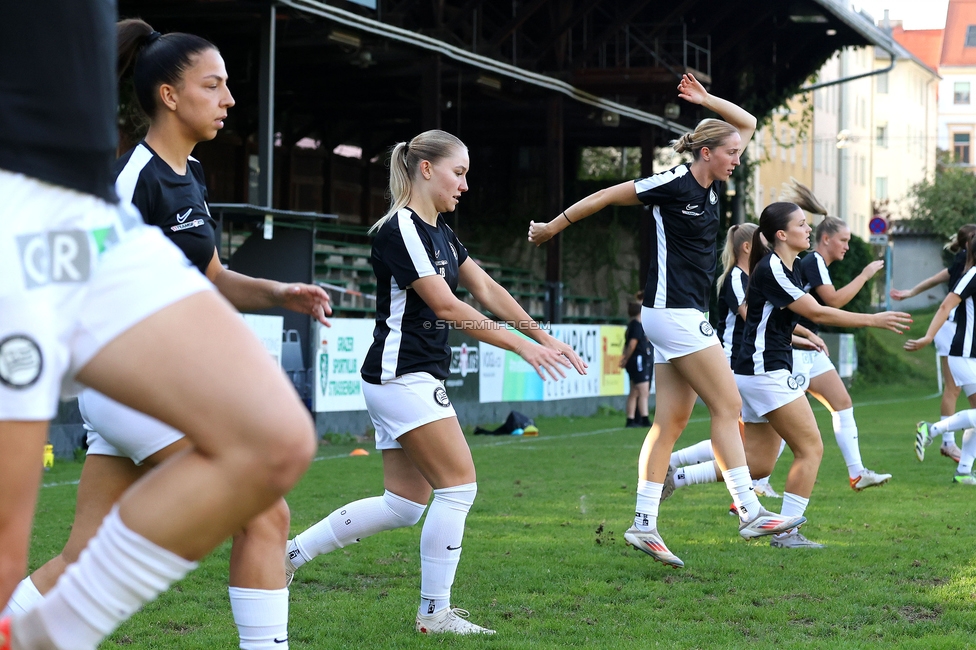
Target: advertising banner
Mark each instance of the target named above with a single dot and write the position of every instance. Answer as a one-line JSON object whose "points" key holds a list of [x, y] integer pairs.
{"points": [[462, 383], [613, 378], [268, 330], [341, 351]]}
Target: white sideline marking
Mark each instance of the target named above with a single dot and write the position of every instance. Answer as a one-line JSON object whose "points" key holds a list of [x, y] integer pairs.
{"points": [[583, 434]]}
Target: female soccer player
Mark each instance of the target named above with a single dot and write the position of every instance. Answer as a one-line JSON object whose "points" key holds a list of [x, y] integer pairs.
{"points": [[943, 338], [419, 263], [638, 360], [689, 360], [773, 407], [167, 185], [92, 295], [962, 364], [814, 370]]}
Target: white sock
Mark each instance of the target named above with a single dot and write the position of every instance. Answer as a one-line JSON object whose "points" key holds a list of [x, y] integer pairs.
{"points": [[355, 521], [696, 474], [739, 484], [648, 501], [845, 432], [261, 616], [968, 452], [440, 545], [948, 437], [25, 596], [117, 573], [793, 505], [961, 420], [699, 452]]}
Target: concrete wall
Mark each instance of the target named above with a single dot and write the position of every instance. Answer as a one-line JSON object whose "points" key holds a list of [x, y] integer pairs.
{"points": [[913, 259]]}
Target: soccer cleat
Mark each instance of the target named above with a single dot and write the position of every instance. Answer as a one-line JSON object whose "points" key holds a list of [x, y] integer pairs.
{"points": [[762, 488], [290, 551], [792, 539], [450, 620], [964, 479], [923, 438], [768, 523], [733, 511], [868, 478], [950, 450], [5, 643], [668, 488], [650, 542]]}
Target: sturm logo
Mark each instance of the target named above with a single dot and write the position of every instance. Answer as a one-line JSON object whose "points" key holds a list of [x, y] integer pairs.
{"points": [[440, 396], [21, 361], [712, 197], [792, 383], [706, 328], [801, 380]]}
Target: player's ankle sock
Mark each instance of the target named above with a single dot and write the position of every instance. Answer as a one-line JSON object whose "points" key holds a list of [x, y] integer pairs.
{"points": [[696, 474], [648, 501], [739, 484], [261, 616]]}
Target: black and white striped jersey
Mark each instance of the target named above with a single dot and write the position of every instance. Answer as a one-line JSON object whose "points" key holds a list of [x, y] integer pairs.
{"points": [[175, 204], [58, 92], [963, 341], [955, 272], [768, 333], [814, 274], [686, 218], [408, 337], [730, 324]]}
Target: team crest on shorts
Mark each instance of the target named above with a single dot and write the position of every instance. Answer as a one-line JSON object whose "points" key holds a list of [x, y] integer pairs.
{"points": [[792, 383], [801, 380], [440, 396], [21, 361], [706, 328]]}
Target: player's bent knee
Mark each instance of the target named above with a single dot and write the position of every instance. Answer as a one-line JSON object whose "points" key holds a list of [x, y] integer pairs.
{"points": [[272, 524]]}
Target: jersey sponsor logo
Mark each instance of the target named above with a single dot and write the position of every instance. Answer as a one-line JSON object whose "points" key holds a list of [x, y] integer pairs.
{"points": [[182, 217], [21, 361], [706, 328], [61, 256], [188, 224], [712, 197], [692, 213], [440, 396], [792, 383]]}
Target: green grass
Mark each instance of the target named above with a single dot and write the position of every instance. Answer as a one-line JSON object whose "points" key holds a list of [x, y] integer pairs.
{"points": [[545, 563]]}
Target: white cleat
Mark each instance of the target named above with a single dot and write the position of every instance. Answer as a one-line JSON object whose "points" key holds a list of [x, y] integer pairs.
{"points": [[450, 620], [868, 478], [768, 523], [792, 539], [762, 488], [650, 542], [669, 486], [951, 450]]}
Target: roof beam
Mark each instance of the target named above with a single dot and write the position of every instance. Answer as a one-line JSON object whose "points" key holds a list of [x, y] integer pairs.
{"points": [[566, 25], [517, 21], [615, 27]]}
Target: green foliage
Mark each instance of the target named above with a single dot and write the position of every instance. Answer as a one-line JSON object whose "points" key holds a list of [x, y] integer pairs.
{"points": [[609, 163], [947, 202]]}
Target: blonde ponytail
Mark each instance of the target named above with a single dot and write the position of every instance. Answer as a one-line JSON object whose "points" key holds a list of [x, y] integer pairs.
{"points": [[405, 160], [709, 133], [737, 237]]}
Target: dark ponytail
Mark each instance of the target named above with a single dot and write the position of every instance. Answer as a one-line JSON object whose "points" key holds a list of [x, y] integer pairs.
{"points": [[775, 217], [152, 59]]}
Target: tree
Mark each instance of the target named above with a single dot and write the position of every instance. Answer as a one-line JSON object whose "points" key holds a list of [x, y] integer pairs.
{"points": [[945, 203]]}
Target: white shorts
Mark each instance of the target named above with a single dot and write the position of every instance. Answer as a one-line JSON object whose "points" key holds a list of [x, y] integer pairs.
{"points": [[963, 371], [75, 272], [808, 364], [116, 430], [405, 403], [943, 338], [762, 394], [677, 332]]}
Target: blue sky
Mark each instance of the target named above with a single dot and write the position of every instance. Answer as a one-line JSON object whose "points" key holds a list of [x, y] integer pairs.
{"points": [[914, 14]]}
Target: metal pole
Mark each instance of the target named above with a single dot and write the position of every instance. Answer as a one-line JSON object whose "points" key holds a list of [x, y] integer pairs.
{"points": [[266, 94], [887, 288]]}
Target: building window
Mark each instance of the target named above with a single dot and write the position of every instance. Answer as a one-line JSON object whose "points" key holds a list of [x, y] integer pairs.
{"points": [[881, 136], [971, 36], [881, 188], [960, 148], [960, 91], [883, 84]]}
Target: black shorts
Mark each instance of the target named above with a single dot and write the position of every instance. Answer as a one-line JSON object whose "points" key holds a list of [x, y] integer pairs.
{"points": [[639, 369]]}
